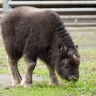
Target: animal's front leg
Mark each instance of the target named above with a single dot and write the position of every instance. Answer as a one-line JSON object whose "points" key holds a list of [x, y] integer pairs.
{"points": [[27, 80], [52, 76], [13, 67]]}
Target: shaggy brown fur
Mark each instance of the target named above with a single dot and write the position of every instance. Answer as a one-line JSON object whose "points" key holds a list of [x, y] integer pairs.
{"points": [[35, 33]]}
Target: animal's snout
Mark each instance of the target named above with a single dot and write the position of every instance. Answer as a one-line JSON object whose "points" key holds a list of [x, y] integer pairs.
{"points": [[73, 78]]}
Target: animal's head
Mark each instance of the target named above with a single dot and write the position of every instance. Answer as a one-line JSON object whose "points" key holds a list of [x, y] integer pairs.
{"points": [[68, 63]]}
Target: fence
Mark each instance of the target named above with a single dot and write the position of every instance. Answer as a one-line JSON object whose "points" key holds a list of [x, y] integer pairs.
{"points": [[73, 13]]}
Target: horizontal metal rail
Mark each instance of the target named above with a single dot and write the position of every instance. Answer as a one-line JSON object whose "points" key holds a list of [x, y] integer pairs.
{"points": [[71, 9], [78, 16], [68, 15], [51, 2], [1, 9], [0, 2], [79, 24]]}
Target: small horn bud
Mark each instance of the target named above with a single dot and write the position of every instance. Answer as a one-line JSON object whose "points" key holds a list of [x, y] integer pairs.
{"points": [[65, 48], [76, 59], [71, 54]]}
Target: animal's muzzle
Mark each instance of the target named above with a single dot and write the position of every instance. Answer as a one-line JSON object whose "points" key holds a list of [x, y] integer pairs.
{"points": [[73, 78]]}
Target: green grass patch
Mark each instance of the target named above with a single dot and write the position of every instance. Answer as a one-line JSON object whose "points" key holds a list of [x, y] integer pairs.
{"points": [[3, 65], [43, 89], [86, 38], [86, 86]]}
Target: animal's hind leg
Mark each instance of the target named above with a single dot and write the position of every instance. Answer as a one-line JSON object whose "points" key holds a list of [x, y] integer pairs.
{"points": [[27, 80], [13, 67], [52, 76]]}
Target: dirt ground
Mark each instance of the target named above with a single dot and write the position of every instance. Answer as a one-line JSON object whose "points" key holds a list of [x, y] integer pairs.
{"points": [[5, 80]]}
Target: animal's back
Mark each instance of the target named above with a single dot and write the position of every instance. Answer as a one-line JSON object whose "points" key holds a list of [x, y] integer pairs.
{"points": [[27, 17], [25, 25]]}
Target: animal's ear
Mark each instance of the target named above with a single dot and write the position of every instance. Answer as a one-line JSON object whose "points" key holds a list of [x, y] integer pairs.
{"points": [[63, 48], [77, 46]]}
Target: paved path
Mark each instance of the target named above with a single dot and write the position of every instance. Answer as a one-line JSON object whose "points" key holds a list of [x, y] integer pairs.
{"points": [[5, 80]]}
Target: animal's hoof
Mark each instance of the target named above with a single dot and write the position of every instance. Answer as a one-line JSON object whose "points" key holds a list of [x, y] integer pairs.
{"points": [[15, 84], [55, 83], [25, 85]]}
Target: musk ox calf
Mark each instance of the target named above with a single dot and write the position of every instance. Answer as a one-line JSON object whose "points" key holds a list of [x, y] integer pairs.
{"points": [[36, 33]]}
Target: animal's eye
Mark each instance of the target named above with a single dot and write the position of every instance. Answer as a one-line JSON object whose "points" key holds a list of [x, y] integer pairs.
{"points": [[66, 64]]}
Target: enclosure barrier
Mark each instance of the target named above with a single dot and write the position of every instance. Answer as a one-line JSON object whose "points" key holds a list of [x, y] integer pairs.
{"points": [[1, 9], [73, 13]]}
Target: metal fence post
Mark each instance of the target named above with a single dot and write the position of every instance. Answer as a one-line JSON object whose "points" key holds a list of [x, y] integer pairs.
{"points": [[75, 20], [5, 6]]}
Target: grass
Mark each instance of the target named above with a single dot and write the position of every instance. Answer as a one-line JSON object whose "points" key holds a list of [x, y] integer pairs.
{"points": [[3, 65], [86, 86], [43, 89]]}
